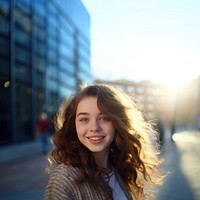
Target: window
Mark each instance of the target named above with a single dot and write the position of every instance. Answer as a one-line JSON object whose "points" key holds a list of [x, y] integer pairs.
{"points": [[22, 37], [40, 8], [4, 28], [22, 55], [84, 66], [4, 7], [22, 73], [66, 51], [67, 79], [52, 55], [66, 25], [67, 65], [84, 54], [5, 66], [4, 46], [23, 20], [67, 38]]}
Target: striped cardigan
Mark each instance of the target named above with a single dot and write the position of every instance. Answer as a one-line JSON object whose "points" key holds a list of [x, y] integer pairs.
{"points": [[61, 186]]}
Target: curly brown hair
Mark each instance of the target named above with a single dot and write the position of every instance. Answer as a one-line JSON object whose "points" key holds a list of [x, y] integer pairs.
{"points": [[132, 152]]}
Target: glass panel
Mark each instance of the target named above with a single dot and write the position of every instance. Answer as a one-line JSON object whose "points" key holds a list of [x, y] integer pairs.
{"points": [[23, 111], [22, 37], [52, 43], [52, 85], [53, 22], [52, 72], [40, 33], [5, 66], [22, 55], [67, 79], [65, 92], [41, 80], [83, 76], [22, 73], [84, 43], [5, 111], [66, 51], [4, 27], [67, 65], [52, 55], [23, 20], [40, 64], [4, 46], [40, 100], [39, 21], [53, 103], [40, 48], [84, 54], [84, 66], [4, 7], [52, 9], [65, 24], [23, 5], [67, 38], [40, 8]]}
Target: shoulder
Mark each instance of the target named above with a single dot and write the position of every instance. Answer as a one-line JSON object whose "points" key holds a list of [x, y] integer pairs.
{"points": [[61, 182], [63, 172]]}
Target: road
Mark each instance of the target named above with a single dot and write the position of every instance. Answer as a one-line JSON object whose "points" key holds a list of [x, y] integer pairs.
{"points": [[25, 179]]}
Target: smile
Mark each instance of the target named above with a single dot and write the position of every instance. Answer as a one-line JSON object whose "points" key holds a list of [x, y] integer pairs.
{"points": [[96, 139]]}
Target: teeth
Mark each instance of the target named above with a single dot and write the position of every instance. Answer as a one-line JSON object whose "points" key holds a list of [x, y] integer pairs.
{"points": [[95, 138]]}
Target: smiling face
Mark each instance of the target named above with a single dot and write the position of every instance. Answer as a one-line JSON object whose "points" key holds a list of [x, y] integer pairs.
{"points": [[94, 129]]}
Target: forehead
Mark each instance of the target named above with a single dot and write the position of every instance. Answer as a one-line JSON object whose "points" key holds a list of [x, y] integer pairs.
{"points": [[88, 102]]}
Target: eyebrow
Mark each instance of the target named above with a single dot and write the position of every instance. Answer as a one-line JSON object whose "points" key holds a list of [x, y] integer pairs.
{"points": [[82, 113], [85, 113]]}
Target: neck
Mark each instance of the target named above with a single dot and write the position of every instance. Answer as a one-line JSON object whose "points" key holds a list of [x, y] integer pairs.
{"points": [[102, 160]]}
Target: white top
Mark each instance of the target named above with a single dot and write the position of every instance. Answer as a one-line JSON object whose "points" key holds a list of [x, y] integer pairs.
{"points": [[118, 193]]}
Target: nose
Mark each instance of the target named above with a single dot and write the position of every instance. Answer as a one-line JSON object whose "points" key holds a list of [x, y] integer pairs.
{"points": [[94, 126]]}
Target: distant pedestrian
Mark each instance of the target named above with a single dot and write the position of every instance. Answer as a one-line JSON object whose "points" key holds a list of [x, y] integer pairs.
{"points": [[161, 131], [103, 149], [43, 129]]}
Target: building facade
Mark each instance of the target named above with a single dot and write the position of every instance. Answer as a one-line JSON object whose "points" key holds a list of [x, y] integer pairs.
{"points": [[154, 100], [44, 56], [177, 110], [187, 104]]}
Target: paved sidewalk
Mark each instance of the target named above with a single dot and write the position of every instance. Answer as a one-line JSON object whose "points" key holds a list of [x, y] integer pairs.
{"points": [[24, 179], [183, 164], [19, 151]]}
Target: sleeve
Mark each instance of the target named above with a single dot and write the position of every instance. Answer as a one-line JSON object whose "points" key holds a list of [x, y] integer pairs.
{"points": [[60, 186]]}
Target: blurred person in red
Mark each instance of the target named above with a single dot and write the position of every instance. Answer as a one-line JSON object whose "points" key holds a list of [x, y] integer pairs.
{"points": [[43, 130]]}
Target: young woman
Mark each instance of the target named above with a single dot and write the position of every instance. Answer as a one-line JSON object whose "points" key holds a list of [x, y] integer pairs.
{"points": [[103, 149]]}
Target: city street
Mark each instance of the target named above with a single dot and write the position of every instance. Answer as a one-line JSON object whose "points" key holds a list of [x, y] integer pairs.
{"points": [[25, 179], [183, 164]]}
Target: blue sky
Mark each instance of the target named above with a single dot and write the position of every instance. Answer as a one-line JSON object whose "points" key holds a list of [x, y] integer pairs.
{"points": [[157, 40]]}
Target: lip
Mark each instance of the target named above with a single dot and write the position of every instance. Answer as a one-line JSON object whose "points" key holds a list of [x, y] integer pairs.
{"points": [[96, 139]]}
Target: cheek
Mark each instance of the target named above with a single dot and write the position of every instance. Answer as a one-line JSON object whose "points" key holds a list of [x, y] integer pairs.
{"points": [[80, 130], [79, 133], [113, 134], [112, 131]]}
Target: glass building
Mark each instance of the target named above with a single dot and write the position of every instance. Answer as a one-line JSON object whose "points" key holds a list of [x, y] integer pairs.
{"points": [[44, 56]]}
